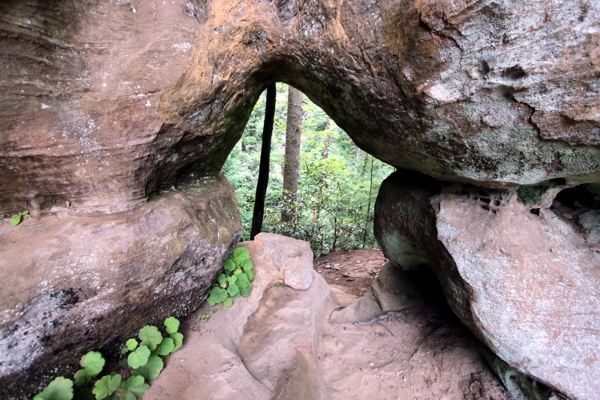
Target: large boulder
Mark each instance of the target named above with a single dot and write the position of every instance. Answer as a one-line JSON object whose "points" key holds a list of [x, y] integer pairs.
{"points": [[71, 284], [104, 102], [522, 277]]}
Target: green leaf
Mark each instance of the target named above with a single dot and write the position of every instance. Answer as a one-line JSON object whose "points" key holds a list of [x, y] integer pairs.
{"points": [[177, 340], [131, 344], [15, 220], [222, 279], [229, 265], [150, 336], [106, 386], [238, 271], [59, 389], [232, 279], [242, 280], [92, 363], [245, 290], [250, 276], [228, 302], [26, 212], [241, 254], [152, 369], [81, 378], [138, 357], [166, 347], [217, 295], [172, 324], [133, 388], [233, 291], [247, 265]]}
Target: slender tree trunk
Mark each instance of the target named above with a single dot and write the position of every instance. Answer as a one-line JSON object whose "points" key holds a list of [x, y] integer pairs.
{"points": [[263, 169], [326, 148], [369, 205], [291, 163]]}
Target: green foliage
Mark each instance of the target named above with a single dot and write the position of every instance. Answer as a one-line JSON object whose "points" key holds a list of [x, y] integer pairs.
{"points": [[133, 388], [205, 317], [166, 347], [92, 363], [150, 336], [177, 340], [152, 369], [235, 281], [337, 187], [138, 357], [81, 378], [106, 385], [131, 344], [172, 325], [16, 219], [59, 389], [141, 362]]}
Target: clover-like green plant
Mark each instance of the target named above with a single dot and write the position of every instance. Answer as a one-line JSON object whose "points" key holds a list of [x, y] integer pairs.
{"points": [[143, 364], [59, 389], [16, 219], [235, 281]]}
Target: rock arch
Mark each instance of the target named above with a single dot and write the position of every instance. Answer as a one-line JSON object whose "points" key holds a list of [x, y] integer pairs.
{"points": [[107, 102]]}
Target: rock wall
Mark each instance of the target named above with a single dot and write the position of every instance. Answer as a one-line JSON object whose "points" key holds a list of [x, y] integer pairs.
{"points": [[522, 277], [103, 102], [71, 284]]}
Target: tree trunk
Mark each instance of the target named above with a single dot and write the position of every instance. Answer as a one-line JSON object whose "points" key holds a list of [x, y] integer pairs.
{"points": [[326, 148], [263, 169], [291, 163]]}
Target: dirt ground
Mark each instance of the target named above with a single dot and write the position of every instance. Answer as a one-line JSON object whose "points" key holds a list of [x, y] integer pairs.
{"points": [[351, 271]]}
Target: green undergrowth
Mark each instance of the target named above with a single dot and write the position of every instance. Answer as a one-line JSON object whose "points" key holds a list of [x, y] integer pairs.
{"points": [[235, 281], [141, 361]]}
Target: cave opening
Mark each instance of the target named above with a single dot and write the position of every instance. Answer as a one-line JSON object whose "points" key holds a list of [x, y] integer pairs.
{"points": [[337, 183]]}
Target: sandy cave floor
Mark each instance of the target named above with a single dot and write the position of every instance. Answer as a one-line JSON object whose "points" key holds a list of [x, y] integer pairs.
{"points": [[425, 353]]}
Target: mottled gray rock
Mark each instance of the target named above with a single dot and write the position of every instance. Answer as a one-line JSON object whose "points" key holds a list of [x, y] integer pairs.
{"points": [[523, 279], [72, 284], [293, 258]]}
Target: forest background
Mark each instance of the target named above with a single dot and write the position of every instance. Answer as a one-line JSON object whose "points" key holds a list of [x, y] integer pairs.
{"points": [[337, 186]]}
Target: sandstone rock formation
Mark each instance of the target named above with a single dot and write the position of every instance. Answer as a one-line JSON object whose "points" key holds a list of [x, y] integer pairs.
{"points": [[293, 258], [104, 103], [71, 284], [522, 277], [279, 344]]}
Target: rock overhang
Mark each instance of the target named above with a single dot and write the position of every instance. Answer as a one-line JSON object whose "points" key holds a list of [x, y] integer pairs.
{"points": [[485, 94]]}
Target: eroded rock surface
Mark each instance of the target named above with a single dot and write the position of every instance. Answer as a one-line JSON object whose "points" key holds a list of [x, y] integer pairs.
{"points": [[72, 284], [279, 344], [104, 102], [522, 278], [292, 257]]}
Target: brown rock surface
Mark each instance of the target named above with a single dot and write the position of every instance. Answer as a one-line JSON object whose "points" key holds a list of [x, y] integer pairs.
{"points": [[104, 102], [71, 284], [524, 280], [279, 344]]}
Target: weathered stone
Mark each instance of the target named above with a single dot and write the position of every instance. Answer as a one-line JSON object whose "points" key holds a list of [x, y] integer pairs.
{"points": [[94, 115], [293, 258], [523, 279], [71, 284], [262, 347], [278, 343], [104, 103]]}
